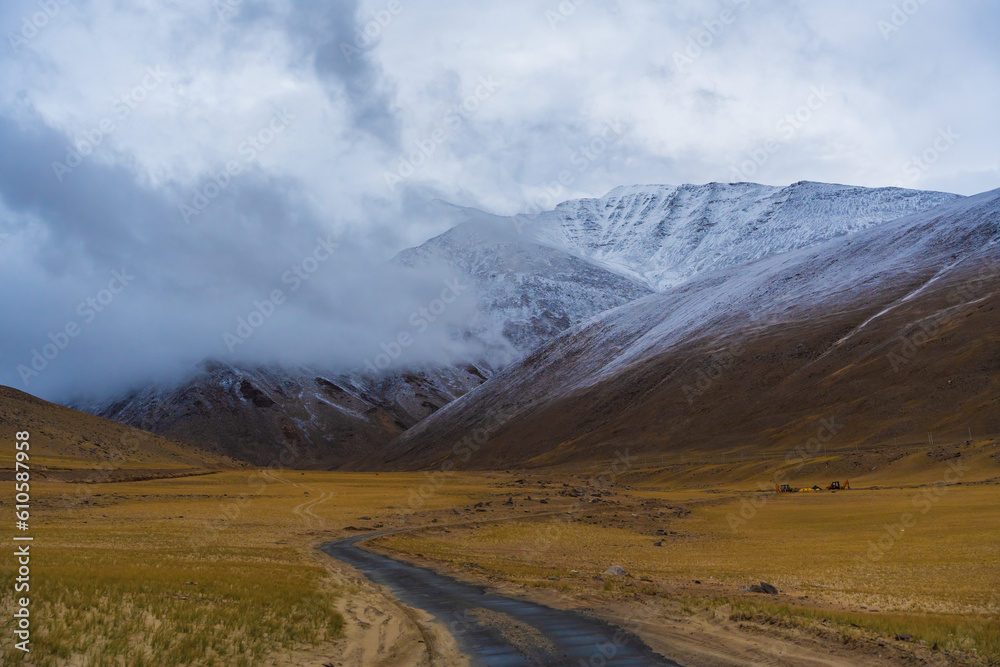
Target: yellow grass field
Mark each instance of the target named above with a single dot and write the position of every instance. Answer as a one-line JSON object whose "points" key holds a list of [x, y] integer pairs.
{"points": [[214, 569], [222, 569]]}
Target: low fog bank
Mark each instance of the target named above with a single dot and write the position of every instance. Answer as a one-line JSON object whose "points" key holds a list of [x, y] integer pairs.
{"points": [[111, 283]]}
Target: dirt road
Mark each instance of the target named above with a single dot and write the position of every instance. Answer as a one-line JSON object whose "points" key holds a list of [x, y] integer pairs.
{"points": [[494, 630]]}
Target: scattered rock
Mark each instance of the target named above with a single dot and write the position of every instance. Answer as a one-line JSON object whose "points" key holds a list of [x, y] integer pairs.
{"points": [[658, 544], [544, 501], [616, 570], [904, 638]]}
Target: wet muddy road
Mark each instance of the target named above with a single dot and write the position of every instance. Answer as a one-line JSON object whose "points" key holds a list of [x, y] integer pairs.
{"points": [[495, 630]]}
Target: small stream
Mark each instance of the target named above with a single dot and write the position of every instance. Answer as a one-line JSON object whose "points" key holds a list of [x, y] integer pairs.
{"points": [[538, 635]]}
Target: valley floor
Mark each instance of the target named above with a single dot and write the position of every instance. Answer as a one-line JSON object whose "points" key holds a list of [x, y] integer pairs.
{"points": [[225, 569]]}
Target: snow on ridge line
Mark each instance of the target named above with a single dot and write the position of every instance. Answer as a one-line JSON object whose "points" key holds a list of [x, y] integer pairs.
{"points": [[666, 235], [726, 303]]}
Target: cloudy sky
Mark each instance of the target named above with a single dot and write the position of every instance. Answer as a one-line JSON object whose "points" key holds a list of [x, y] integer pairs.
{"points": [[202, 150]]}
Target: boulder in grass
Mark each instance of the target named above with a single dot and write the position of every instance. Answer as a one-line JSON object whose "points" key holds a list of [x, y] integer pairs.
{"points": [[768, 588], [616, 570]]}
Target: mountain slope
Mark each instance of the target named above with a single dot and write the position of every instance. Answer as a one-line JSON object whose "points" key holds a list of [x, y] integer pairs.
{"points": [[887, 333], [533, 278], [526, 292], [66, 438], [317, 417], [291, 417], [665, 235]]}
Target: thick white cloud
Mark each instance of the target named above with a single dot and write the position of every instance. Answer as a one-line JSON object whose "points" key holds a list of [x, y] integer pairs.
{"points": [[482, 104]]}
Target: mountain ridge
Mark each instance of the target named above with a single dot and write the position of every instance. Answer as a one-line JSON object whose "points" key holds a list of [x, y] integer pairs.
{"points": [[619, 379], [533, 280]]}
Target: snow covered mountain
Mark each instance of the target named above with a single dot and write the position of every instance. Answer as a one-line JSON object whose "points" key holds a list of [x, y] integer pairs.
{"points": [[526, 292], [890, 332], [534, 278], [664, 235]]}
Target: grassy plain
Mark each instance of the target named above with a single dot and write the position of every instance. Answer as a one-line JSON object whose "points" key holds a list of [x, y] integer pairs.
{"points": [[214, 569], [222, 569]]}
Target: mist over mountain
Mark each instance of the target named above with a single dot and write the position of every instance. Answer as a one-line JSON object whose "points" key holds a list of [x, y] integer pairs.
{"points": [[205, 150], [509, 285], [888, 332]]}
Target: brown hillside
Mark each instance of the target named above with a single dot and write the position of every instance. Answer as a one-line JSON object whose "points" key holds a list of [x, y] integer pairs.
{"points": [[64, 438]]}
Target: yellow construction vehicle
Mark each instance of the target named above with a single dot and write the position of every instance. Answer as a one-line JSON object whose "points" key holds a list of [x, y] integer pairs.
{"points": [[834, 486]]}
